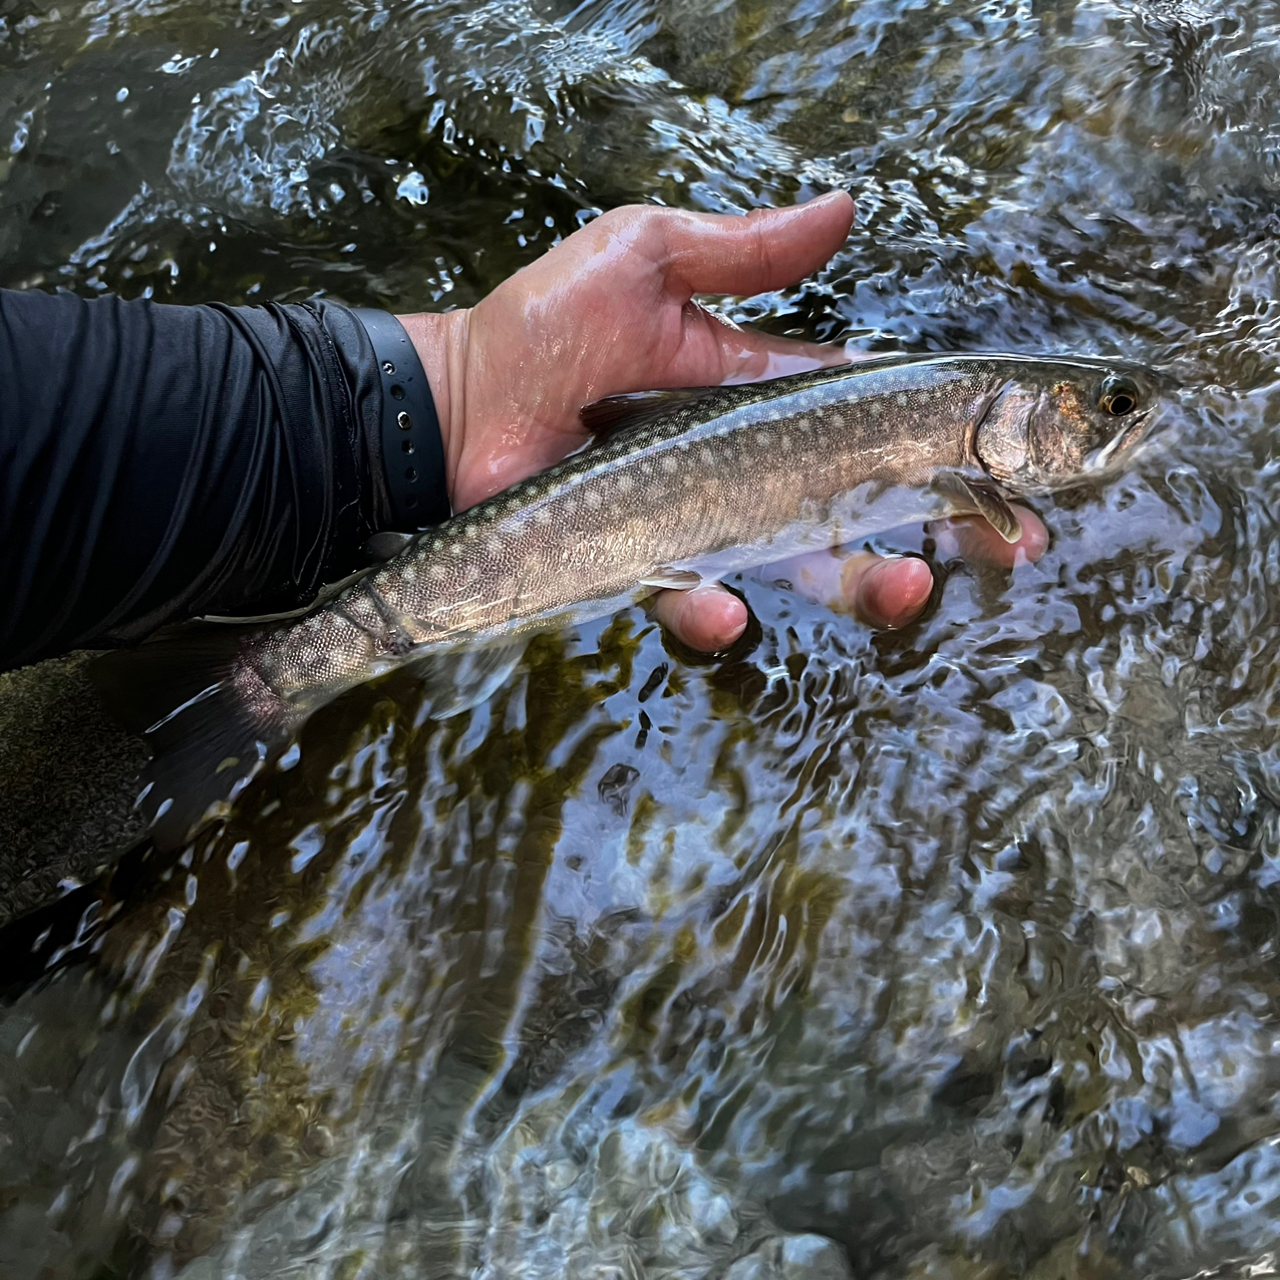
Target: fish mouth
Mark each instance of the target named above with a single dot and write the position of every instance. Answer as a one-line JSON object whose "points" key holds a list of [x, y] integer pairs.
{"points": [[1125, 439]]}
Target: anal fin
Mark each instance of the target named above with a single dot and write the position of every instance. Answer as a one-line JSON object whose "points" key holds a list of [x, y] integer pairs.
{"points": [[457, 680], [672, 579]]}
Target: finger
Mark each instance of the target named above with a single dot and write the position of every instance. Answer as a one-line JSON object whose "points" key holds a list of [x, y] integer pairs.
{"points": [[747, 355], [886, 591], [707, 618], [974, 539], [881, 591], [766, 249]]}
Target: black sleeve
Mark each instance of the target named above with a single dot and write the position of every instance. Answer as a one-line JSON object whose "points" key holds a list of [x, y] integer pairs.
{"points": [[160, 462]]}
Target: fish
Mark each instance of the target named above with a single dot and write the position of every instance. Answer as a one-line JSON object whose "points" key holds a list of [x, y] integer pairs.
{"points": [[679, 488]]}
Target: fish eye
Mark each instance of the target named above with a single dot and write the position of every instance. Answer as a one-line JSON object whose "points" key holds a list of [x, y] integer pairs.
{"points": [[1119, 395]]}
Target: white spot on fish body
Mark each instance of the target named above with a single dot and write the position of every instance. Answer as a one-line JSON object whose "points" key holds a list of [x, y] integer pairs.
{"points": [[669, 465], [592, 499], [472, 531], [494, 545], [436, 544], [408, 573], [625, 484], [900, 399], [705, 455], [542, 515], [438, 572], [456, 549]]}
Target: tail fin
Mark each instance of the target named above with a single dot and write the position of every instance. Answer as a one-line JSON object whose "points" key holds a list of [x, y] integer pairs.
{"points": [[210, 720]]}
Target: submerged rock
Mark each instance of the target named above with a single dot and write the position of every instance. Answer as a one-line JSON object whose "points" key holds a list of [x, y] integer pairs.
{"points": [[67, 784]]}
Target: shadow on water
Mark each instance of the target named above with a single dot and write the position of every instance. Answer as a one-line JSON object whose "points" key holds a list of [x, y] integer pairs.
{"points": [[945, 952]]}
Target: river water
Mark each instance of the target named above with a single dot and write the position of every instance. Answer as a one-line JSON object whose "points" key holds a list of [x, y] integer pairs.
{"points": [[951, 952]]}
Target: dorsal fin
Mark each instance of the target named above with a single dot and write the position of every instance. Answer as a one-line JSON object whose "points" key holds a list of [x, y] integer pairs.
{"points": [[614, 414]]}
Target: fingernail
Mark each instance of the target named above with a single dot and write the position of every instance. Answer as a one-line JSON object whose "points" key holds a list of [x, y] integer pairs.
{"points": [[911, 597]]}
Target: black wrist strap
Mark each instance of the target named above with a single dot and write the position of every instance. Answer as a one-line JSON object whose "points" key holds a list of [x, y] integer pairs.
{"points": [[412, 447]]}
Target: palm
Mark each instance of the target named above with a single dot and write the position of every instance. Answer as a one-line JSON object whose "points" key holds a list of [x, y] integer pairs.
{"points": [[610, 310]]}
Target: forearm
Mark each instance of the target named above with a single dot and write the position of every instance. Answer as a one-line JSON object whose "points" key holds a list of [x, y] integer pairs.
{"points": [[160, 462]]}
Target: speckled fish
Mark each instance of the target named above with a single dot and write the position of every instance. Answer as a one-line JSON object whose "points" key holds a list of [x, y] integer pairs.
{"points": [[682, 487]]}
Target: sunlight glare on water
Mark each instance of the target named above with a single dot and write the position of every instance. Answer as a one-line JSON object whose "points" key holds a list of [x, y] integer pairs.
{"points": [[945, 952]]}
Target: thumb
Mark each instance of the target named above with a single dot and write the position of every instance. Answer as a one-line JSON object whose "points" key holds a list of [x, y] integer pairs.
{"points": [[766, 249]]}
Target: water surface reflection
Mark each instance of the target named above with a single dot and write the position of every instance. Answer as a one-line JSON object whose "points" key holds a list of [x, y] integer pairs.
{"points": [[947, 952]]}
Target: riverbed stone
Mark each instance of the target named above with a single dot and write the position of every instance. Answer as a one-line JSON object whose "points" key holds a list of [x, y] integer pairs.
{"points": [[67, 784]]}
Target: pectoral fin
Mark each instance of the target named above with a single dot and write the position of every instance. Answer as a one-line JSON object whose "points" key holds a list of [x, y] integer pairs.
{"points": [[985, 498]]}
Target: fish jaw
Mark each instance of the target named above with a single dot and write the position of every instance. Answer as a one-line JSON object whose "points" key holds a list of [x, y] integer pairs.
{"points": [[1122, 444]]}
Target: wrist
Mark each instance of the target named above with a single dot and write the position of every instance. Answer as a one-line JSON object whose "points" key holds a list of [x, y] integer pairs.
{"points": [[440, 340]]}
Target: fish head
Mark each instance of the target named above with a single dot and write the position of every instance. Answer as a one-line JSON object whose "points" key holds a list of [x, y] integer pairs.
{"points": [[1053, 424]]}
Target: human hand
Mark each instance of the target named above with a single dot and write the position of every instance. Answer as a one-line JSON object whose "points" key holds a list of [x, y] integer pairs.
{"points": [[611, 309]]}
